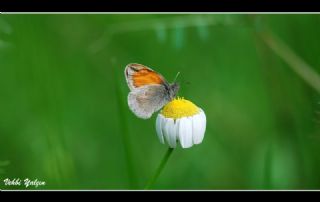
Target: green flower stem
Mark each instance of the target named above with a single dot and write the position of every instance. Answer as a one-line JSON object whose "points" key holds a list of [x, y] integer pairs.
{"points": [[160, 168]]}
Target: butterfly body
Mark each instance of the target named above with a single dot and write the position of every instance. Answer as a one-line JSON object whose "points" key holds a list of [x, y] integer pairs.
{"points": [[149, 90]]}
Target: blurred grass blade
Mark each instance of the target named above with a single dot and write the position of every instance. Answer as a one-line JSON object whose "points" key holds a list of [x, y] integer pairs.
{"points": [[296, 63], [4, 163], [124, 131], [268, 167]]}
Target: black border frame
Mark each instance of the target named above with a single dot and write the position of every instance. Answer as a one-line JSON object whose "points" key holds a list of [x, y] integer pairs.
{"points": [[160, 6]]}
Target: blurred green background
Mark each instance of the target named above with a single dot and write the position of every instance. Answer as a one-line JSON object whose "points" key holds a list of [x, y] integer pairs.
{"points": [[64, 114]]}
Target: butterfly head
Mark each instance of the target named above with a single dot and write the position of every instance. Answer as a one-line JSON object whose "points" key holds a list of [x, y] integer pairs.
{"points": [[173, 90]]}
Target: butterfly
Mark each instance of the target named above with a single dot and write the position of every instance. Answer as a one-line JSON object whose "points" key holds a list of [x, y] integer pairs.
{"points": [[149, 91]]}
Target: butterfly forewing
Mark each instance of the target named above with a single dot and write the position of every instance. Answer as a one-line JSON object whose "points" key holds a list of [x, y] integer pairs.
{"points": [[138, 75]]}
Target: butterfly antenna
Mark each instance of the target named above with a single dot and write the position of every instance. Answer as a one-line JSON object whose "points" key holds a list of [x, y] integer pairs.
{"points": [[176, 77]]}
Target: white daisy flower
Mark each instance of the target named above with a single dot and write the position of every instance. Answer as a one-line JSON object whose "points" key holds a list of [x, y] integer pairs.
{"points": [[181, 121]]}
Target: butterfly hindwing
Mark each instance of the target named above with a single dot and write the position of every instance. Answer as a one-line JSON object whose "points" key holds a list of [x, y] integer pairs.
{"points": [[146, 100]]}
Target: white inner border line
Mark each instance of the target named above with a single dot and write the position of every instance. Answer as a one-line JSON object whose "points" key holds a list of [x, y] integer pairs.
{"points": [[135, 13]]}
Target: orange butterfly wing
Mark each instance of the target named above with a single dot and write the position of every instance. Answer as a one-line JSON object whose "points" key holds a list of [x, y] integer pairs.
{"points": [[146, 77], [139, 75]]}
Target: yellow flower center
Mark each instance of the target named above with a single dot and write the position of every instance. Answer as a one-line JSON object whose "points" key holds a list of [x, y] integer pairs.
{"points": [[178, 108]]}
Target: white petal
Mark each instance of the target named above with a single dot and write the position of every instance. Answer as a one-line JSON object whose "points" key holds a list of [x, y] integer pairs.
{"points": [[169, 132], [196, 124], [159, 123], [198, 127], [176, 128], [185, 132]]}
